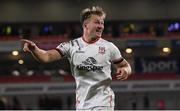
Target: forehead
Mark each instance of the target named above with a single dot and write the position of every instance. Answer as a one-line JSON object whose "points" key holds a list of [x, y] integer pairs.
{"points": [[97, 17]]}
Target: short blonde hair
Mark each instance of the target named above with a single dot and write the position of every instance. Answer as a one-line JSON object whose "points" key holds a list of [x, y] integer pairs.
{"points": [[95, 10]]}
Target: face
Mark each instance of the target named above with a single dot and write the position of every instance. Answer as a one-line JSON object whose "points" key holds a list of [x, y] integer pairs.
{"points": [[94, 26]]}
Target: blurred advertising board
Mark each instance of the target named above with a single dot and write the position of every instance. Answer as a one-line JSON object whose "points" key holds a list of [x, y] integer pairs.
{"points": [[175, 42], [157, 65], [139, 43]]}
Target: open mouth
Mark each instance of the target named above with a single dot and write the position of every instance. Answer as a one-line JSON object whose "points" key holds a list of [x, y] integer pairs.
{"points": [[99, 31]]}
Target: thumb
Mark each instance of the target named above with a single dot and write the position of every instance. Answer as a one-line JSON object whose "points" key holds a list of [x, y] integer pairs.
{"points": [[25, 48]]}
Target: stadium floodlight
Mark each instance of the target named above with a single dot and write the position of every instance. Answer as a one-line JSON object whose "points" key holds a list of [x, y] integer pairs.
{"points": [[20, 61], [166, 49], [15, 53], [129, 50]]}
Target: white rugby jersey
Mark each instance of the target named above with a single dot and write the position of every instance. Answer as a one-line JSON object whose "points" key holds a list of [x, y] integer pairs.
{"points": [[91, 68]]}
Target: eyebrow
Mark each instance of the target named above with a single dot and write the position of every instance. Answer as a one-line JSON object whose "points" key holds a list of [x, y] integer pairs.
{"points": [[97, 20]]}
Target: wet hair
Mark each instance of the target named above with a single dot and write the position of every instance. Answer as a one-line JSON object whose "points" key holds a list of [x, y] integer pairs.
{"points": [[88, 12]]}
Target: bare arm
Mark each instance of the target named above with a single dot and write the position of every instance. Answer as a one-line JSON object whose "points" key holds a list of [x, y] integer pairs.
{"points": [[40, 54], [123, 70]]}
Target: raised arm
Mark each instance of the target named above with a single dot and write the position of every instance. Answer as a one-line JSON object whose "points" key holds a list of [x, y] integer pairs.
{"points": [[123, 69], [40, 54]]}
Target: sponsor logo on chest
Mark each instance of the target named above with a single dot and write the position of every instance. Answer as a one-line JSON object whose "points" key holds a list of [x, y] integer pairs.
{"points": [[89, 64]]}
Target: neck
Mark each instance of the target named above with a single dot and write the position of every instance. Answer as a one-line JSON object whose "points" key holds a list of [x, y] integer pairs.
{"points": [[90, 39]]}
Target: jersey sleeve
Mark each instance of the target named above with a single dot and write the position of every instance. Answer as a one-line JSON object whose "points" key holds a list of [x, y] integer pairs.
{"points": [[64, 49], [115, 54]]}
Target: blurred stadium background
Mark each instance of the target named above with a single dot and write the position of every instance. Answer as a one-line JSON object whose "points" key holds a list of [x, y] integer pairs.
{"points": [[146, 31]]}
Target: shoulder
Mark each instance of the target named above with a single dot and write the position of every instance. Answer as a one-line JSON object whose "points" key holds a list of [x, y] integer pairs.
{"points": [[76, 40], [107, 43], [71, 42]]}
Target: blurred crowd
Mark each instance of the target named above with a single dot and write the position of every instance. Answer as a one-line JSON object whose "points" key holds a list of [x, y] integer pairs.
{"points": [[112, 29], [57, 68], [60, 102], [44, 102]]}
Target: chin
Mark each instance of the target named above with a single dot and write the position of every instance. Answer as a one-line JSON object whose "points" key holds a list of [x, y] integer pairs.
{"points": [[95, 37], [98, 36]]}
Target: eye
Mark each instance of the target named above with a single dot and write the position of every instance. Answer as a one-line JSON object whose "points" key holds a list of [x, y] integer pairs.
{"points": [[96, 22], [102, 23]]}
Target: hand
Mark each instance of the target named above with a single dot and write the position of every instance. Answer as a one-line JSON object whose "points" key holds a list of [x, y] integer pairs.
{"points": [[122, 74], [28, 45]]}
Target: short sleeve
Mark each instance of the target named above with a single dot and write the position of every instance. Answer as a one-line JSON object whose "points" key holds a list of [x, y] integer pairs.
{"points": [[63, 48], [115, 53]]}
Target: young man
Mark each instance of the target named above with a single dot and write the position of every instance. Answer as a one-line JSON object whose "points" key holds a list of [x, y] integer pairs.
{"points": [[90, 57]]}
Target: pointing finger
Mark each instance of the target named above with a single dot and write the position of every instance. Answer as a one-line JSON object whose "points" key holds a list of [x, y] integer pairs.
{"points": [[26, 41]]}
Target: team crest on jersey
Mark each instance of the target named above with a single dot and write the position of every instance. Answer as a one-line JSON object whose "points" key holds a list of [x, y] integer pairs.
{"points": [[102, 50]]}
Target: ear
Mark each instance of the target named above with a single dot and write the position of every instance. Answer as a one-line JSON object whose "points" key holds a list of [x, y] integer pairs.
{"points": [[85, 24]]}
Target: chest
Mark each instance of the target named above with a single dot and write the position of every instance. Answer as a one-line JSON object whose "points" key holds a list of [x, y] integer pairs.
{"points": [[91, 54]]}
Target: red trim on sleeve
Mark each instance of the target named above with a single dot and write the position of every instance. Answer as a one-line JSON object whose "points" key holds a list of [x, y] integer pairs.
{"points": [[118, 60]]}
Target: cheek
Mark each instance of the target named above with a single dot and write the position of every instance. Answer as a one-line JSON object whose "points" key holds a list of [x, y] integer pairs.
{"points": [[89, 27], [92, 28]]}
